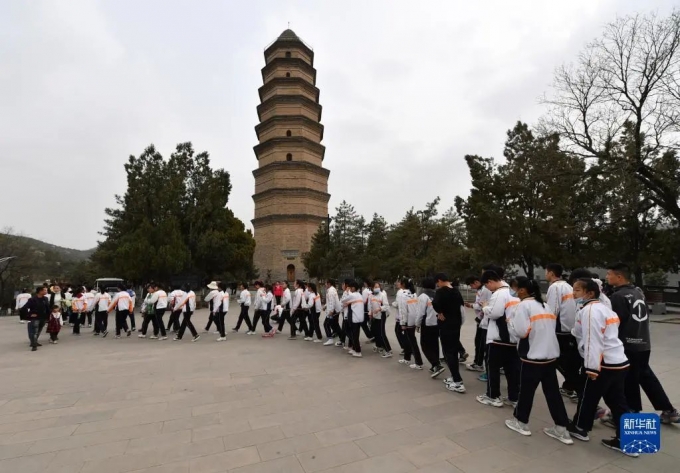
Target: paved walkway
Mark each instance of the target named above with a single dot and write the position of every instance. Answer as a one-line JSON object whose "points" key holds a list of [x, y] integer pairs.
{"points": [[254, 405]]}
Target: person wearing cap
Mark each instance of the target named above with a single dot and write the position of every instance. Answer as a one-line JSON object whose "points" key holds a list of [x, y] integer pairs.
{"points": [[214, 290], [447, 303]]}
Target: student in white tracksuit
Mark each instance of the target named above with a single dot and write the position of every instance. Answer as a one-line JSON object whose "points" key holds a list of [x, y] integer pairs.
{"points": [[401, 338], [354, 303], [259, 306], [286, 299], [214, 290], [561, 301], [314, 307], [244, 301], [224, 309], [378, 311], [427, 324], [501, 344], [533, 323], [597, 333], [333, 310], [408, 308]]}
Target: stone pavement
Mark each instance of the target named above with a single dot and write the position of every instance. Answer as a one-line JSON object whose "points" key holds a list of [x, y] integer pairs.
{"points": [[253, 405]]}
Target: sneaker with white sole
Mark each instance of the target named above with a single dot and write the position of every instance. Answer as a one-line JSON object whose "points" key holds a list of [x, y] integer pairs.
{"points": [[474, 367], [317, 340], [351, 351], [308, 339], [357, 355], [163, 338], [456, 387], [250, 332], [615, 444], [559, 433], [141, 335], [329, 342], [578, 433], [517, 426], [387, 354], [437, 371], [153, 337], [608, 420], [404, 362], [222, 339], [196, 338], [508, 402], [338, 344], [447, 380], [489, 401], [416, 367]]}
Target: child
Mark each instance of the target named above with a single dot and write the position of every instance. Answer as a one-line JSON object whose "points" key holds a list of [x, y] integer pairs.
{"points": [[244, 301], [355, 305], [54, 324], [534, 324], [427, 324], [314, 306], [604, 361], [408, 309], [378, 310]]}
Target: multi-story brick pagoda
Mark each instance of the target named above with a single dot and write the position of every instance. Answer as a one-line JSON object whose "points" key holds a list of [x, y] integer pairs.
{"points": [[291, 185]]}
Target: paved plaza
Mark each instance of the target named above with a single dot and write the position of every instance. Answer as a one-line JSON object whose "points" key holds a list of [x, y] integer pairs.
{"points": [[253, 405]]}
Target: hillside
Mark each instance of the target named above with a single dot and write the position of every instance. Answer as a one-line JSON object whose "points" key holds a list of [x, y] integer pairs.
{"points": [[64, 255]]}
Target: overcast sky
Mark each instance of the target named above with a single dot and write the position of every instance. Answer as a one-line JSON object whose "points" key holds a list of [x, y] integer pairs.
{"points": [[407, 92]]}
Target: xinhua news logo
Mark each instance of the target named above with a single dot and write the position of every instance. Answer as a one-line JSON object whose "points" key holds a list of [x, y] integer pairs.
{"points": [[640, 433]]}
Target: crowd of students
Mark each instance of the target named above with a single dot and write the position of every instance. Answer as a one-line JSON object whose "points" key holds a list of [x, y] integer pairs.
{"points": [[601, 345]]}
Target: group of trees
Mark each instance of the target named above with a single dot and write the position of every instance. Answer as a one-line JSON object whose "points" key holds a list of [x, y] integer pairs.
{"points": [[598, 180], [173, 223]]}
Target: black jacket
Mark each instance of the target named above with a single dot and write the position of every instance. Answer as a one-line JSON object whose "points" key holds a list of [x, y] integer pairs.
{"points": [[448, 301], [629, 304], [37, 305]]}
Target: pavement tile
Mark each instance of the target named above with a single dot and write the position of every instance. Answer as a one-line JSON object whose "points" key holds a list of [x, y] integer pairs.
{"points": [[330, 457]]}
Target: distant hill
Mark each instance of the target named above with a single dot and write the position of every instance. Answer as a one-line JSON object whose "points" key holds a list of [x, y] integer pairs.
{"points": [[65, 255]]}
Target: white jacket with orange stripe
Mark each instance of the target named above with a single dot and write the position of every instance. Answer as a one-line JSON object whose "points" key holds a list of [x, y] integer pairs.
{"points": [[534, 324], [561, 301], [408, 309], [597, 334], [426, 311], [499, 311]]}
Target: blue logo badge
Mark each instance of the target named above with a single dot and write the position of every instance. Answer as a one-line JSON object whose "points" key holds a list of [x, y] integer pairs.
{"points": [[640, 433]]}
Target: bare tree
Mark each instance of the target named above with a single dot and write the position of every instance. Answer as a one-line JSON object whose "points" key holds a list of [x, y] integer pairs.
{"points": [[629, 79]]}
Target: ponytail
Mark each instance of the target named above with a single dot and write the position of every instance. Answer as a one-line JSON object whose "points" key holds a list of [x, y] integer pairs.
{"points": [[532, 287], [407, 283]]}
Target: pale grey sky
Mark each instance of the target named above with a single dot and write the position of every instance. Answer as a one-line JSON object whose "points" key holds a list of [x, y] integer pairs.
{"points": [[407, 88]]}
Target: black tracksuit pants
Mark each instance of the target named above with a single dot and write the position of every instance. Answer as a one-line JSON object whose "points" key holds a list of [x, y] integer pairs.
{"points": [[186, 323], [506, 357], [173, 322], [101, 321], [401, 337], [244, 316], [285, 316], [640, 375], [569, 362], [480, 346], [355, 344], [545, 374], [301, 316], [314, 326], [449, 335], [608, 385], [412, 347], [121, 321], [160, 325], [429, 341]]}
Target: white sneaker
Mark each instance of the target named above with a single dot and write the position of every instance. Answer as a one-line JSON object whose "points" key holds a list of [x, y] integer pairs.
{"points": [[153, 337], [338, 344], [329, 342], [447, 380], [250, 333], [456, 387], [345, 348], [415, 367], [351, 351], [489, 401], [387, 354], [222, 339], [517, 426], [559, 433], [405, 362], [141, 335], [163, 338], [357, 355], [316, 340], [308, 339]]}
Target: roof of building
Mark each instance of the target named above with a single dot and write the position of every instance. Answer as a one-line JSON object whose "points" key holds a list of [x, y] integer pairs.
{"points": [[288, 35]]}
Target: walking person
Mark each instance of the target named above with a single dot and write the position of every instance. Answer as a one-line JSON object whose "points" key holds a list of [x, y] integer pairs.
{"points": [[214, 290], [428, 326], [54, 324], [222, 327], [122, 304], [355, 305], [161, 301], [629, 304], [148, 311], [79, 308], [277, 290], [20, 302], [561, 301], [268, 306], [37, 311], [534, 324], [331, 323], [462, 352], [217, 314], [244, 301], [408, 307], [89, 295], [346, 316], [401, 337], [366, 325], [258, 304], [174, 298], [187, 306], [101, 318], [286, 299], [447, 303], [297, 310], [314, 307], [597, 333], [379, 308], [501, 344], [133, 298]]}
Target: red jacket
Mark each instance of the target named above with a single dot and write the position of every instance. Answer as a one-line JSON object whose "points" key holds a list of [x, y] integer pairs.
{"points": [[278, 290]]}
